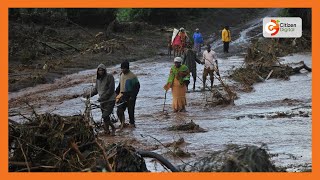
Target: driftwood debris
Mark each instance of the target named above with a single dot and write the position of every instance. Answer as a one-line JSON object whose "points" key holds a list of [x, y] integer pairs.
{"points": [[262, 63], [53, 143]]}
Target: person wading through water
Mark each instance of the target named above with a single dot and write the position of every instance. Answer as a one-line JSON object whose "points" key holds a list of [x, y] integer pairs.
{"points": [[127, 92], [226, 38], [178, 81], [183, 37], [210, 62], [105, 88], [197, 40], [190, 59]]}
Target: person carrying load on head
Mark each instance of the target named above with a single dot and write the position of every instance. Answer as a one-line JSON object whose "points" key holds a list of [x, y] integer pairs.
{"points": [[178, 81], [176, 43], [105, 88], [183, 37]]}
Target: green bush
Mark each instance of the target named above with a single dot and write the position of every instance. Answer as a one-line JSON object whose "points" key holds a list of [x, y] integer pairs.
{"points": [[133, 14]]}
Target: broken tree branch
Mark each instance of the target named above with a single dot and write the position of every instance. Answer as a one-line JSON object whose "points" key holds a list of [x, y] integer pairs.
{"points": [[108, 166], [58, 40]]}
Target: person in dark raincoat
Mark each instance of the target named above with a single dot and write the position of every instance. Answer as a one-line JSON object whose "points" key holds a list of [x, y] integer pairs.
{"points": [[105, 88], [190, 59]]}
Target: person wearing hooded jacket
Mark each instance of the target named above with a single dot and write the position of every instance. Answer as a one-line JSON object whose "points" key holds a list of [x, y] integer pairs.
{"points": [[190, 60], [105, 88]]}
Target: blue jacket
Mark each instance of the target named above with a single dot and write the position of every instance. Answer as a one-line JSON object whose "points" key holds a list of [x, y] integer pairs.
{"points": [[197, 37]]}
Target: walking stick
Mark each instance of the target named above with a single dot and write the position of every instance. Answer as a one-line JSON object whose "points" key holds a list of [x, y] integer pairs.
{"points": [[231, 94], [164, 103]]}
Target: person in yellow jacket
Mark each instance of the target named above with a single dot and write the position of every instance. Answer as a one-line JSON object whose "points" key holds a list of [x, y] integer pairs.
{"points": [[226, 38]]}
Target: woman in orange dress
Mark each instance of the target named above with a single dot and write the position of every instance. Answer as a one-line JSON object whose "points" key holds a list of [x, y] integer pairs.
{"points": [[178, 81]]}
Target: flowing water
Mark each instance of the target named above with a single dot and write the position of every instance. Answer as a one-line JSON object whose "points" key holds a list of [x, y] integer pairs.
{"points": [[249, 121], [252, 120]]}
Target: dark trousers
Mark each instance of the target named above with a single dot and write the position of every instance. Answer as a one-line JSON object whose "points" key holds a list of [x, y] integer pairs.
{"points": [[107, 109], [226, 47], [130, 104]]}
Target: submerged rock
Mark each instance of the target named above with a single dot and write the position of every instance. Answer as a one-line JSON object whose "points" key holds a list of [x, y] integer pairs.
{"points": [[128, 160], [234, 158]]}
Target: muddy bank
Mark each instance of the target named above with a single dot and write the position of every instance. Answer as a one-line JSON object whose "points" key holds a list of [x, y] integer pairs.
{"points": [[64, 48], [50, 64]]}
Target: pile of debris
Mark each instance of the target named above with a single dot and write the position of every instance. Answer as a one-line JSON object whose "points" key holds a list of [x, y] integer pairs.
{"points": [[190, 127], [109, 46], [234, 158], [53, 143], [262, 63]]}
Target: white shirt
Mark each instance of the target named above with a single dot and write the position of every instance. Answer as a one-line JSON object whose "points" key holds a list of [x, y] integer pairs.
{"points": [[210, 59]]}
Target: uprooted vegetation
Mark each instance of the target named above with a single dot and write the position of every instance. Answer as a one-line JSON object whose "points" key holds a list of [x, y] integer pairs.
{"points": [[40, 51], [262, 60], [53, 143]]}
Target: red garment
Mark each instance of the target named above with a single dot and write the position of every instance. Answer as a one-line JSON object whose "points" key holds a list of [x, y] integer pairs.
{"points": [[183, 37], [176, 41]]}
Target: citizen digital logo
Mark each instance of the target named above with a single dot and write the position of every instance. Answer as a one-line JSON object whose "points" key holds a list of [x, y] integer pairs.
{"points": [[287, 25], [279, 27]]}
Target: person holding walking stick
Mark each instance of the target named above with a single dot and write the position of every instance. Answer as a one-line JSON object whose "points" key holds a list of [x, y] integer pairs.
{"points": [[210, 65], [178, 81], [105, 88]]}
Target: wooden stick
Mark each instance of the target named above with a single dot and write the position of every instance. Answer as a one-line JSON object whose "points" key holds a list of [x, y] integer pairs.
{"points": [[108, 166], [164, 103], [24, 155], [16, 163], [269, 75], [74, 146], [49, 46]]}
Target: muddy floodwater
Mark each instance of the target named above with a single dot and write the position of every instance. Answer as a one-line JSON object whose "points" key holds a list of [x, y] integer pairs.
{"points": [[276, 113]]}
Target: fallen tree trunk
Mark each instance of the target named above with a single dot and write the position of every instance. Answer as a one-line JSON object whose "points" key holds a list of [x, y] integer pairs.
{"points": [[64, 43]]}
